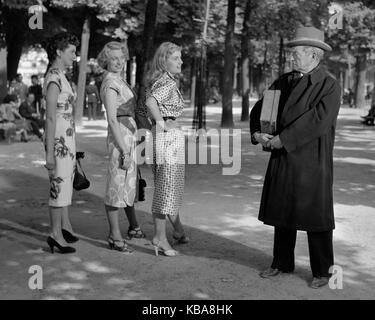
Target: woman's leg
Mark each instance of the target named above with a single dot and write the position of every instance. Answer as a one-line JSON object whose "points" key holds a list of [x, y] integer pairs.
{"points": [[177, 225], [89, 110], [160, 236], [114, 227], [94, 106], [24, 135], [130, 214], [65, 221], [56, 214]]}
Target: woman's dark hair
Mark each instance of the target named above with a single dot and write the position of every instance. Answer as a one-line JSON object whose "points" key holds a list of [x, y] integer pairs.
{"points": [[59, 41], [10, 98]]}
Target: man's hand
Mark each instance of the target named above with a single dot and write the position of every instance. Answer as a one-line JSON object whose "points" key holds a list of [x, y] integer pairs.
{"points": [[263, 138], [275, 143]]}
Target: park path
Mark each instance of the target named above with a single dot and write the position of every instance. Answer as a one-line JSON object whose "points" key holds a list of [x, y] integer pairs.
{"points": [[229, 245]]}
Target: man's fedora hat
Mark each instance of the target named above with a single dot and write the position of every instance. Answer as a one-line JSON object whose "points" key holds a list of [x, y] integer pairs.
{"points": [[309, 36]]}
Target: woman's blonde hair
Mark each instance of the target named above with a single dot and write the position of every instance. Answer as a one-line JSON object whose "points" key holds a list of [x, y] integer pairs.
{"points": [[159, 62], [103, 55]]}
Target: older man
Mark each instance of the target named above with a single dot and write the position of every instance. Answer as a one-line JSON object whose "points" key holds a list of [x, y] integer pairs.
{"points": [[297, 192]]}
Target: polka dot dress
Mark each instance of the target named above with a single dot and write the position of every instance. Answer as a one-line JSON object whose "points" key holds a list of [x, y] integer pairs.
{"points": [[169, 150]]}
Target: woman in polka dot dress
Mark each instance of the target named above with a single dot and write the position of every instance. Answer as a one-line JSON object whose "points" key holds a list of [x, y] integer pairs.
{"points": [[165, 104]]}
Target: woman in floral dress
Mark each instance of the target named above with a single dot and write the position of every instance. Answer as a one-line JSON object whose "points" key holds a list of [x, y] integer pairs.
{"points": [[60, 139], [119, 101]]}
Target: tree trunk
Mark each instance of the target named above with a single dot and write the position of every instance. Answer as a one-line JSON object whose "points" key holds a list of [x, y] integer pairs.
{"points": [[263, 70], [148, 43], [359, 101], [3, 73], [199, 118], [281, 56], [245, 65], [251, 77], [235, 72], [15, 31], [85, 38], [227, 115], [14, 56], [3, 57], [193, 81]]}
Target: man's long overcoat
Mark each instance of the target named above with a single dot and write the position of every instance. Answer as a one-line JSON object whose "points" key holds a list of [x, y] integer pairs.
{"points": [[297, 192]]}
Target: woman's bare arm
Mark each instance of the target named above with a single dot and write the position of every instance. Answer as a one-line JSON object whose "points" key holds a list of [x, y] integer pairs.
{"points": [[152, 105], [51, 105], [110, 106]]}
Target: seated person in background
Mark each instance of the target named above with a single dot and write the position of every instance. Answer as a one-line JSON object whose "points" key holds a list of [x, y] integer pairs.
{"points": [[369, 119], [10, 114], [28, 111], [371, 113]]}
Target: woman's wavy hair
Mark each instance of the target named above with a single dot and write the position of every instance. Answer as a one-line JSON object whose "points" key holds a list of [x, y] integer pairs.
{"points": [[159, 62], [59, 41], [103, 55]]}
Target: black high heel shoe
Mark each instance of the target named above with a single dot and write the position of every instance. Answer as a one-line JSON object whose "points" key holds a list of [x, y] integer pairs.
{"points": [[69, 238], [181, 239], [53, 243], [135, 233]]}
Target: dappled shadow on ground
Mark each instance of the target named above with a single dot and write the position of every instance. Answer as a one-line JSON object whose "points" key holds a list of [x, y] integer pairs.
{"points": [[223, 237], [220, 213]]}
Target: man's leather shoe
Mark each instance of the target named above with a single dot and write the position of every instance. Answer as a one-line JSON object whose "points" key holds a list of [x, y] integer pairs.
{"points": [[316, 283], [269, 273]]}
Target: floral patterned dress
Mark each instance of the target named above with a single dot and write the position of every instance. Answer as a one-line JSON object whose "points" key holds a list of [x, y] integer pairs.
{"points": [[121, 184], [61, 182]]}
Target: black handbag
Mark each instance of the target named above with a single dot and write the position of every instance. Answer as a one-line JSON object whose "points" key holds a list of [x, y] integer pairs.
{"points": [[80, 181], [141, 187]]}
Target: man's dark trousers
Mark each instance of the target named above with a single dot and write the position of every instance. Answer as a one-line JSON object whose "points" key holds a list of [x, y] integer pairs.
{"points": [[320, 250], [35, 125]]}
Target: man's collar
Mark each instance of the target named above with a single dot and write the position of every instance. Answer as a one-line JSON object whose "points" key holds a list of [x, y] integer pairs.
{"points": [[314, 75]]}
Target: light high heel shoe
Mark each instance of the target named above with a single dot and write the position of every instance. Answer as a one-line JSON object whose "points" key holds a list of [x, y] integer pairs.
{"points": [[166, 252]]}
